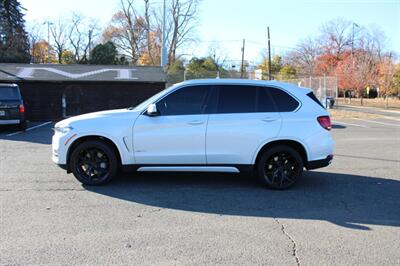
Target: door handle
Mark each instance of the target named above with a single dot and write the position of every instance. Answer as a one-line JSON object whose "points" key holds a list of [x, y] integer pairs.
{"points": [[268, 119], [196, 122]]}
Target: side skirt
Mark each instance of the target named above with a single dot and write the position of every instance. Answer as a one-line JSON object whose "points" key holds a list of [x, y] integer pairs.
{"points": [[247, 169]]}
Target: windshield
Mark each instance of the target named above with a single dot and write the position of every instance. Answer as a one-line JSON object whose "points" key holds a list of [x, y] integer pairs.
{"points": [[151, 100], [9, 93]]}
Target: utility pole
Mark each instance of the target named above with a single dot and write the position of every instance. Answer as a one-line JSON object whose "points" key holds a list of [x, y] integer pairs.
{"points": [[164, 37], [48, 40], [269, 56], [242, 66]]}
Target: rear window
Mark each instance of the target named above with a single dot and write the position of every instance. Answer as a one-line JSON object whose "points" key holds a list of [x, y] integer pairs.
{"points": [[312, 96], [284, 102], [237, 99], [9, 93], [264, 101]]}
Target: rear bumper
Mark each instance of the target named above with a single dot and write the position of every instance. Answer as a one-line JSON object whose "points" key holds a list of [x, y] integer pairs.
{"points": [[319, 163], [10, 122]]}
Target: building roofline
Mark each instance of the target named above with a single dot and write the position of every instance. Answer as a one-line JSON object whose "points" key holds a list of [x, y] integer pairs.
{"points": [[53, 72]]}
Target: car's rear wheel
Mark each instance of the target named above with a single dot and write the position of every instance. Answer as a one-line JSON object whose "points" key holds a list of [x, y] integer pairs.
{"points": [[279, 167], [94, 163]]}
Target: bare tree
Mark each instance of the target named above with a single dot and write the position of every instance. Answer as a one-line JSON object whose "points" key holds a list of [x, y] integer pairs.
{"points": [[337, 36], [183, 15], [34, 36], [138, 34], [75, 36], [60, 37], [218, 57], [81, 34], [92, 33], [304, 55], [148, 31], [127, 31]]}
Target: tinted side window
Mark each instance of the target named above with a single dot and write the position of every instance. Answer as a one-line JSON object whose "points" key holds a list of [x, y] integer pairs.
{"points": [[185, 101], [312, 96], [283, 101], [264, 101], [236, 99]]}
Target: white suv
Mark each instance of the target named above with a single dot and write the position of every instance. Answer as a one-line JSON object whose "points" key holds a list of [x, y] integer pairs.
{"points": [[271, 129]]}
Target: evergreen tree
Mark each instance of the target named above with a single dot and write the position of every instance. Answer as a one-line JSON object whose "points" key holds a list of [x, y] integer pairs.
{"points": [[104, 54], [14, 43]]}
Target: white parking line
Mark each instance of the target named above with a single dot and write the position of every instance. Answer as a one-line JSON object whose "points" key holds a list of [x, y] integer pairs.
{"points": [[391, 118], [350, 124], [28, 129], [376, 122]]}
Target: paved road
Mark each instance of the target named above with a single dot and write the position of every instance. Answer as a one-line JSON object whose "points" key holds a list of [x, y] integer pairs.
{"points": [[348, 213], [371, 110]]}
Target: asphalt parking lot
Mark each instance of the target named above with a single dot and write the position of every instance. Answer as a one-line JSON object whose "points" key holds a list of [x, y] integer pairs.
{"points": [[347, 213]]}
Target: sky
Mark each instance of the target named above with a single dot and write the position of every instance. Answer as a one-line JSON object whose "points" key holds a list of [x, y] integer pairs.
{"points": [[223, 24]]}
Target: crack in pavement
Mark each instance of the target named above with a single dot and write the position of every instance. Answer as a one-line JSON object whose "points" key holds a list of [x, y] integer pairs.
{"points": [[294, 246], [149, 212]]}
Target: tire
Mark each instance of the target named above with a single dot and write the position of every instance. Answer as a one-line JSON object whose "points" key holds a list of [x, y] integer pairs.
{"points": [[94, 163], [280, 167], [22, 126]]}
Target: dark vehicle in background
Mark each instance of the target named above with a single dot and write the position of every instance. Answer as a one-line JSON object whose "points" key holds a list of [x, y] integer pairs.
{"points": [[12, 109]]}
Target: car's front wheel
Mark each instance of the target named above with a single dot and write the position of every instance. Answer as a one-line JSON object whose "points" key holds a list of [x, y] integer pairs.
{"points": [[280, 167], [94, 163]]}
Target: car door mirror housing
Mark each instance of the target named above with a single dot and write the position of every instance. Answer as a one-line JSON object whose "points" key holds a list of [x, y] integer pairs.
{"points": [[152, 110]]}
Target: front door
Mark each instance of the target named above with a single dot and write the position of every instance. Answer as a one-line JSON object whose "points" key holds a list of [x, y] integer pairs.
{"points": [[178, 134]]}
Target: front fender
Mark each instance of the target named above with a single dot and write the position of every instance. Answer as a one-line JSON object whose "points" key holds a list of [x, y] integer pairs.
{"points": [[121, 145]]}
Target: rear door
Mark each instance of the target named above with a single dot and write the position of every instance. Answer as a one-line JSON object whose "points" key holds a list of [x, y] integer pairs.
{"points": [[245, 118]]}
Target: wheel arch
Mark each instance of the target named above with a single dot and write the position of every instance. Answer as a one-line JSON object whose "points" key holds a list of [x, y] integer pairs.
{"points": [[295, 144], [82, 139]]}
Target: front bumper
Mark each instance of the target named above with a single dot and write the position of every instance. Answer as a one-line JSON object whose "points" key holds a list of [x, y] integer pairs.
{"points": [[319, 163], [60, 145]]}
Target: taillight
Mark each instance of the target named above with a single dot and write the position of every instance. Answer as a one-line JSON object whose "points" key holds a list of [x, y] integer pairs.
{"points": [[325, 122], [22, 109]]}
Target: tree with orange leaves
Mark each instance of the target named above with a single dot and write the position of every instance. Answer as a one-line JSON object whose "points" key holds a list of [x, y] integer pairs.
{"points": [[40, 53]]}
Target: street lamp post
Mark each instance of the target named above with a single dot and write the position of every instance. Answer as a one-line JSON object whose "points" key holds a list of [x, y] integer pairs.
{"points": [[352, 42], [269, 56], [164, 37], [48, 40]]}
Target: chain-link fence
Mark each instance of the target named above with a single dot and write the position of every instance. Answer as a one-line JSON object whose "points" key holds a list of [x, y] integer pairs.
{"points": [[323, 87]]}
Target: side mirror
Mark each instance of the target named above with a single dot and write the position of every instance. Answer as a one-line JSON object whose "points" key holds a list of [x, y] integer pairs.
{"points": [[152, 110]]}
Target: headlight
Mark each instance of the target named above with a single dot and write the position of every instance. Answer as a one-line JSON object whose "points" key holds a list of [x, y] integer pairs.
{"points": [[63, 129]]}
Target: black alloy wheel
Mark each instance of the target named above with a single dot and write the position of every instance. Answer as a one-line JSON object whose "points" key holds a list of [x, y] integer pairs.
{"points": [[280, 167], [94, 163]]}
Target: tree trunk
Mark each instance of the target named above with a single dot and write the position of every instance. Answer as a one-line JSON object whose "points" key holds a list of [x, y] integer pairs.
{"points": [[387, 102], [362, 98]]}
